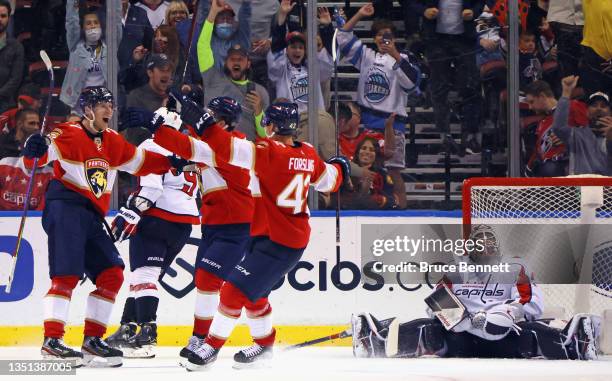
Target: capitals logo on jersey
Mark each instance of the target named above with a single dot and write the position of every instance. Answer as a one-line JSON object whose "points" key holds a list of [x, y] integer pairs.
{"points": [[377, 86], [96, 171], [299, 89]]}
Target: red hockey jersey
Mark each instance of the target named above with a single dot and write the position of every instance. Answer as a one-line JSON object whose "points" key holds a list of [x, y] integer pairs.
{"points": [[14, 179], [88, 165], [283, 176], [226, 197]]}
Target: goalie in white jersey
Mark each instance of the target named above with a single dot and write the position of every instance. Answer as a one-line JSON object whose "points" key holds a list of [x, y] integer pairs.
{"points": [[157, 219], [500, 319]]}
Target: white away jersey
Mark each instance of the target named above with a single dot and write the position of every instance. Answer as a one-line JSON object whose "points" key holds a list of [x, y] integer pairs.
{"points": [[174, 196], [482, 291], [383, 85], [292, 82]]}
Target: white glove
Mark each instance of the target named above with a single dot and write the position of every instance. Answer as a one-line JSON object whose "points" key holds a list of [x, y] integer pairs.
{"points": [[168, 118]]}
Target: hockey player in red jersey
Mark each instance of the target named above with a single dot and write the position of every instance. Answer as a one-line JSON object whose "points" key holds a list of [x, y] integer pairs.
{"points": [[227, 211], [86, 157], [283, 170]]}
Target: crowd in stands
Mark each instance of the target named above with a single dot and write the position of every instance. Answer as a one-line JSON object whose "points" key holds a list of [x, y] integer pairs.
{"points": [[452, 53]]}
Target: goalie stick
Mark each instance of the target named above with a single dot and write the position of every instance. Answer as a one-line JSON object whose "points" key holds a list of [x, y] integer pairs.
{"points": [[47, 62], [339, 335]]}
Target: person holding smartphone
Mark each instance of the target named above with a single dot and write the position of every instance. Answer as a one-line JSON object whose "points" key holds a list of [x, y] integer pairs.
{"points": [[590, 147]]}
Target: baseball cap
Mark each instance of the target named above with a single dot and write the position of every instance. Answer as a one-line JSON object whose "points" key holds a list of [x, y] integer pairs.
{"points": [[157, 61], [239, 49], [295, 36], [599, 96], [228, 8]]}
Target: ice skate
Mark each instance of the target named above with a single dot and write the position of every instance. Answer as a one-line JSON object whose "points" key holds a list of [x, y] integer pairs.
{"points": [[56, 349], [142, 344], [120, 338], [98, 354], [201, 358], [255, 356]]}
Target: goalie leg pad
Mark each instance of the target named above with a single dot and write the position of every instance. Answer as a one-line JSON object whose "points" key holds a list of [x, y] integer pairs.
{"points": [[421, 337], [367, 340]]}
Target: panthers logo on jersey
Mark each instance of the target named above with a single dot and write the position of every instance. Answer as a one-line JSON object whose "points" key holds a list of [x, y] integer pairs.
{"points": [[96, 171], [377, 86]]}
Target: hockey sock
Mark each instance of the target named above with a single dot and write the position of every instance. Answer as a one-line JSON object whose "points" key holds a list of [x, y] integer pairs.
{"points": [[230, 306], [144, 285], [57, 303], [259, 320], [100, 301], [207, 301], [129, 310]]}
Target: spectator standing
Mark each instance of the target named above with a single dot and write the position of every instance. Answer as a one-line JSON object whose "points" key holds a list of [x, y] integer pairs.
{"points": [[530, 64], [589, 149], [87, 65], [156, 11], [263, 12], [230, 78], [165, 42], [287, 64], [222, 29], [11, 61], [137, 31], [387, 77], [152, 95], [176, 13], [597, 46], [550, 157], [27, 122], [567, 21], [449, 34], [326, 132]]}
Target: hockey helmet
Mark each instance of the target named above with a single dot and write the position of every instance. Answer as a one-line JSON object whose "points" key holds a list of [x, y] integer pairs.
{"points": [[486, 245], [226, 109], [91, 96], [284, 116]]}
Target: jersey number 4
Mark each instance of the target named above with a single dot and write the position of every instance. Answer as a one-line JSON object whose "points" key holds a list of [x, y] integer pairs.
{"points": [[295, 194]]}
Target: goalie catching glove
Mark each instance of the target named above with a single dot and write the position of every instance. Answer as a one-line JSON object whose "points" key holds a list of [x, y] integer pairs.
{"points": [[125, 223]]}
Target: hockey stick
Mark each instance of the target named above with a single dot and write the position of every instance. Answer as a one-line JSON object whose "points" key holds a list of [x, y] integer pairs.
{"points": [[335, 56], [339, 335], [47, 62], [190, 40]]}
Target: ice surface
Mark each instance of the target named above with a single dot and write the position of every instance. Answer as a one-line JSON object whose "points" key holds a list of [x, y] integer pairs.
{"points": [[337, 364]]}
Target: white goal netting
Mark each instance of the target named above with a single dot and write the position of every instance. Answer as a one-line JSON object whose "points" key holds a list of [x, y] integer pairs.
{"points": [[583, 257]]}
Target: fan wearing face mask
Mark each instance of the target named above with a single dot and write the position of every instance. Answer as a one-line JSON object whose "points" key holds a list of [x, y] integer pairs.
{"points": [[88, 51], [220, 31]]}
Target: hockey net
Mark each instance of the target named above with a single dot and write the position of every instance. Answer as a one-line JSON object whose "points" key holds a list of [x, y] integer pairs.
{"points": [[549, 202]]}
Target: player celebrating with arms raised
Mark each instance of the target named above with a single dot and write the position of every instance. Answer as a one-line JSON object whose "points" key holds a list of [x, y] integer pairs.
{"points": [[86, 157], [283, 172]]}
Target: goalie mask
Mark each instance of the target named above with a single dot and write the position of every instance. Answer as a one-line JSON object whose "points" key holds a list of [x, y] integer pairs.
{"points": [[486, 245]]}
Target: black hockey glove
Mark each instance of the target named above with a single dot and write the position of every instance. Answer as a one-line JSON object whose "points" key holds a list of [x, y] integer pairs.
{"points": [[345, 166], [135, 117], [197, 117], [178, 163], [36, 146]]}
